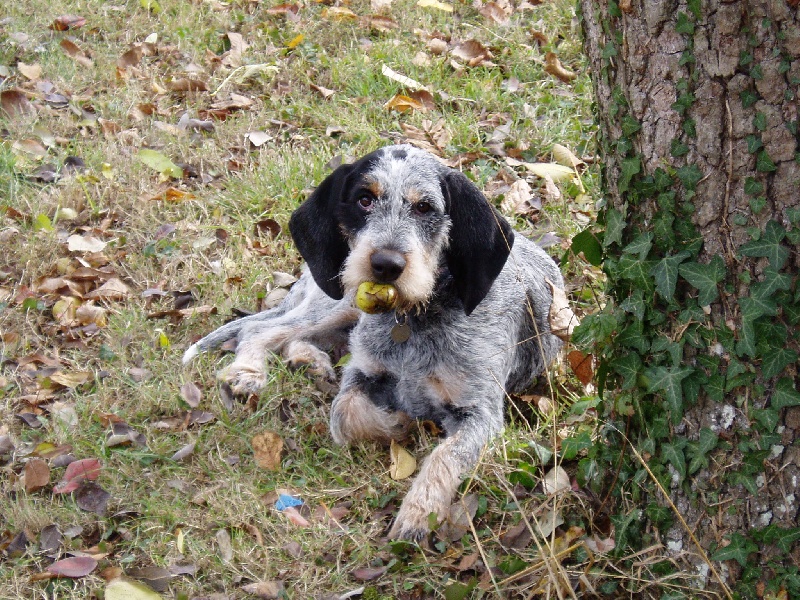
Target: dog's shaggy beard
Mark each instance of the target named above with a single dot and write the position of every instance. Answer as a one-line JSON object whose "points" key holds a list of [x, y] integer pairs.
{"points": [[415, 284]]}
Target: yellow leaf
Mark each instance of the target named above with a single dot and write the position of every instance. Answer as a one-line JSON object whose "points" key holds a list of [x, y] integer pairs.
{"points": [[402, 104], [564, 156], [152, 5], [552, 170], [163, 340], [403, 462], [296, 41], [122, 589], [338, 13], [435, 4]]}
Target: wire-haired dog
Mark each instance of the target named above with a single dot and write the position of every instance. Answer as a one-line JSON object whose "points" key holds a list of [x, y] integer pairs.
{"points": [[471, 322]]}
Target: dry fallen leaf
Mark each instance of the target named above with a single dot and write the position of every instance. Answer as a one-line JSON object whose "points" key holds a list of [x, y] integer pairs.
{"points": [[267, 448], [564, 156], [402, 103], [87, 243], [554, 67], [65, 22], [15, 103], [113, 289], [32, 72], [443, 6], [37, 475], [556, 480], [74, 567], [562, 320], [556, 172], [123, 589], [265, 589], [191, 394], [411, 84], [581, 365], [403, 462]]}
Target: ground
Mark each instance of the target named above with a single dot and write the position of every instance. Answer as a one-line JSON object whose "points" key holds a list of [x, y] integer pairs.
{"points": [[150, 155]]}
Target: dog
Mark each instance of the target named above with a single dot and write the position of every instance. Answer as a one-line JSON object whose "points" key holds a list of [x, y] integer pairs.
{"points": [[470, 323]]}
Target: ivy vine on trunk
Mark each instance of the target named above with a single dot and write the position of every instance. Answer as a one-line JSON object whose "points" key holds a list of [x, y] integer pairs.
{"points": [[698, 344]]}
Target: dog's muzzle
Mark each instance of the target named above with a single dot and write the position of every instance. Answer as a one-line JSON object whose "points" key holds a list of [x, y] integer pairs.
{"points": [[387, 265]]}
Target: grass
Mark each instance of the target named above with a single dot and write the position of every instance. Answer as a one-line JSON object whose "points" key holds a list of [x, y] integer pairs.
{"points": [[214, 510]]}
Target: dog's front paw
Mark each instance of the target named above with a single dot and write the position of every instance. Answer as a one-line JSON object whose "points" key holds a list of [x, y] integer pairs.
{"points": [[413, 521], [244, 379]]}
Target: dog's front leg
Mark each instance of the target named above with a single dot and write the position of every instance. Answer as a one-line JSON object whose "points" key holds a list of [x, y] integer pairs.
{"points": [[440, 475], [364, 410]]}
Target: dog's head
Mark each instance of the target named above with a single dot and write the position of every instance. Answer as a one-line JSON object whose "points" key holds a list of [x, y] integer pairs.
{"points": [[394, 217]]}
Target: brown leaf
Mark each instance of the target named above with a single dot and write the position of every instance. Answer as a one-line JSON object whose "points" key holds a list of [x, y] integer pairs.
{"points": [[157, 578], [76, 53], [92, 498], [323, 91], [582, 365], [37, 475], [183, 453], [74, 567], [185, 84], [113, 289], [283, 9], [561, 318], [473, 53], [191, 394], [518, 537], [369, 573], [16, 104], [381, 23], [553, 67], [65, 22], [71, 379], [131, 58], [265, 589], [267, 448], [497, 13]]}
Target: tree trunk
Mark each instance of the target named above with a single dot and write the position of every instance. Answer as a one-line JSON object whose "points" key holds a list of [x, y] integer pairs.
{"points": [[698, 346]]}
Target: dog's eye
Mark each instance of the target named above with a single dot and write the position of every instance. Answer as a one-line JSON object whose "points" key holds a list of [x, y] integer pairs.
{"points": [[422, 207], [365, 202]]}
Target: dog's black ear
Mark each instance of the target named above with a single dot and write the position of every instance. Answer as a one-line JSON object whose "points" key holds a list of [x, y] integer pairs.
{"points": [[315, 229], [480, 240]]}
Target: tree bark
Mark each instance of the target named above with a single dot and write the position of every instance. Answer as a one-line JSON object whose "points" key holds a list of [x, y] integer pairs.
{"points": [[697, 105]]}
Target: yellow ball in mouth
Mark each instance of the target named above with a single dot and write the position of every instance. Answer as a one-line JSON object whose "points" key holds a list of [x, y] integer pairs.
{"points": [[374, 298]]}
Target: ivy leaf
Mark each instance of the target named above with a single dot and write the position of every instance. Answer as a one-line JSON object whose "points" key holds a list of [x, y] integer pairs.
{"points": [[767, 417], [705, 278], [776, 361], [673, 454], [615, 225], [754, 307], [748, 481], [640, 246], [738, 549], [764, 163], [769, 246], [628, 168], [665, 273], [586, 241], [785, 394], [634, 304], [668, 381], [783, 537], [700, 451], [690, 176], [715, 387], [628, 366], [636, 271]]}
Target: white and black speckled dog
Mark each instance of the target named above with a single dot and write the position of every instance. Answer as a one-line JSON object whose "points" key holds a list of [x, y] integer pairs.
{"points": [[471, 323]]}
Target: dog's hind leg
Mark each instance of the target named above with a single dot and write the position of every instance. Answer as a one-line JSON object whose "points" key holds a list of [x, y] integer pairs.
{"points": [[307, 316]]}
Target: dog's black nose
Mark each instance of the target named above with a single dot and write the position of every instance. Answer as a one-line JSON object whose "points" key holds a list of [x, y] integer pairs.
{"points": [[387, 265]]}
